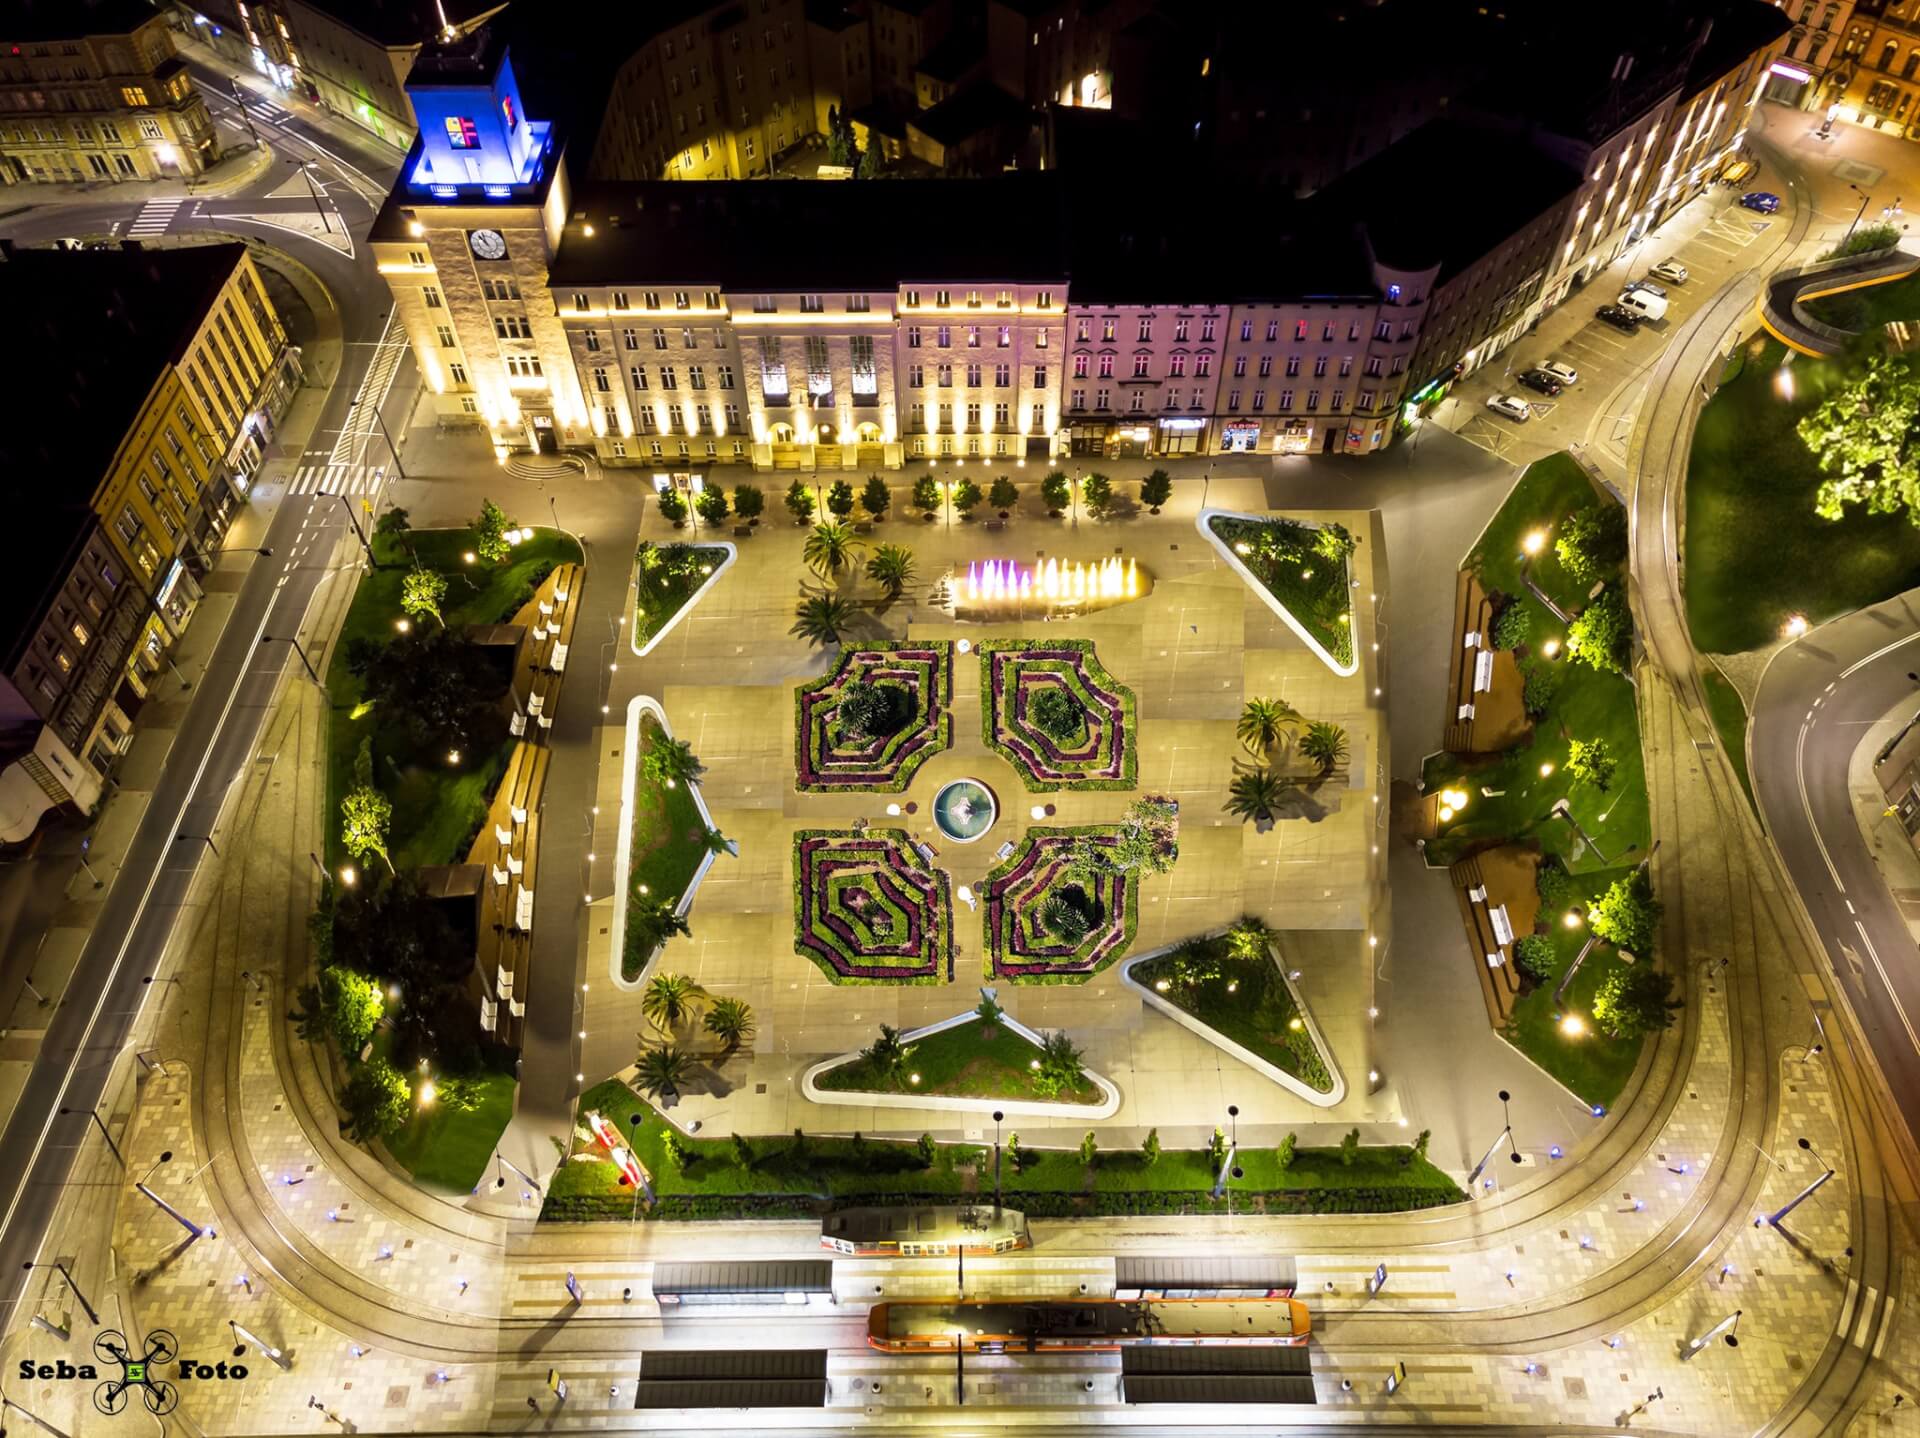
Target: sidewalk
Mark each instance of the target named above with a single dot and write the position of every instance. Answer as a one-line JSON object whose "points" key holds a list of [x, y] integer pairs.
{"points": [[240, 166]]}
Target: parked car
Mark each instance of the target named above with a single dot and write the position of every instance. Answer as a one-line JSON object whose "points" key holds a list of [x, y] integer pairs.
{"points": [[1765, 201], [1539, 379], [1670, 270], [1619, 317], [1738, 172], [1560, 370], [1647, 306], [1648, 286], [1510, 406]]}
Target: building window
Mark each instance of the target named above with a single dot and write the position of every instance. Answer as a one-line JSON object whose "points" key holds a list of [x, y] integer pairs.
{"points": [[1366, 399], [630, 338], [524, 366], [1082, 333], [1140, 362], [1002, 415], [431, 296], [659, 339], [458, 372], [1180, 331], [859, 304], [1319, 366], [1313, 399], [446, 336], [1005, 336], [1177, 364], [511, 327], [1339, 400], [593, 342], [1079, 399], [1106, 330], [1080, 363], [916, 376], [913, 337], [1286, 399], [724, 376], [1002, 376], [638, 374], [1233, 399], [973, 337], [1100, 398], [973, 416], [973, 376], [812, 305], [600, 381], [1137, 401], [1106, 365], [943, 376], [1044, 300], [667, 380], [943, 336]]}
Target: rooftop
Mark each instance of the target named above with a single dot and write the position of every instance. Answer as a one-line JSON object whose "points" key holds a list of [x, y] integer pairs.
{"points": [[101, 325], [977, 108], [398, 23], [30, 20]]}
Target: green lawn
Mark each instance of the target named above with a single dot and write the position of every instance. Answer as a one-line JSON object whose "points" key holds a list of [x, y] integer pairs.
{"points": [[668, 840], [966, 1061], [1870, 307], [1386, 1179], [1311, 587], [436, 809], [1587, 704], [1247, 1001], [1756, 552], [449, 1151], [1730, 722], [1594, 1066]]}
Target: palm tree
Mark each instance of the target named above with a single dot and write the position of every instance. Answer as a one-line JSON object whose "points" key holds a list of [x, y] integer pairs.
{"points": [[670, 761], [1325, 744], [669, 1000], [829, 549], [1264, 723], [717, 843], [1248, 939], [731, 1021], [821, 617], [891, 567], [662, 1069], [889, 1056], [656, 919], [1254, 794]]}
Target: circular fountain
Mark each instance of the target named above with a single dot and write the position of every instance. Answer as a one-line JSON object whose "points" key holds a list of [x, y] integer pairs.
{"points": [[964, 810]]}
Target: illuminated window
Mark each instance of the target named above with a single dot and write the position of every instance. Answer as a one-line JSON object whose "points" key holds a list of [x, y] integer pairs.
{"points": [[507, 112], [462, 134]]}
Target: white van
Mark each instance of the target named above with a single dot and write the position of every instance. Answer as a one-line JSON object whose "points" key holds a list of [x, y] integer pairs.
{"points": [[1641, 302]]}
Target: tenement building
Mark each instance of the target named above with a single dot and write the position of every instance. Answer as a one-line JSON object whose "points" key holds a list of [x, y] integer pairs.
{"points": [[91, 90], [158, 377]]}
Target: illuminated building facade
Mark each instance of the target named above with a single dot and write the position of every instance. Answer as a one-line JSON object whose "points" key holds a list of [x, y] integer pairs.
{"points": [[93, 92], [158, 379], [1819, 57], [1879, 67]]}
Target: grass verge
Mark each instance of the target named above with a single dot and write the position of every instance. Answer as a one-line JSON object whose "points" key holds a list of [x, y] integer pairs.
{"points": [[970, 1060], [1244, 1000], [1730, 722], [448, 1150], [784, 1179], [668, 840]]}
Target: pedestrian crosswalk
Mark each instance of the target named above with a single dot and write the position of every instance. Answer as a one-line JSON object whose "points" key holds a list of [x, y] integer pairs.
{"points": [[154, 217], [337, 479]]}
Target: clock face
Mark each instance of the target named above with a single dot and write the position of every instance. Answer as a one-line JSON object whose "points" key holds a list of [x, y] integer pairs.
{"points": [[487, 244]]}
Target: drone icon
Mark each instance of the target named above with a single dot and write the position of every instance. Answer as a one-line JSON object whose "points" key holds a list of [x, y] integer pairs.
{"points": [[160, 1396]]}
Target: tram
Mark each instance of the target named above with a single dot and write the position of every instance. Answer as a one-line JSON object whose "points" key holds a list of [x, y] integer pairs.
{"points": [[925, 1232], [1083, 1325]]}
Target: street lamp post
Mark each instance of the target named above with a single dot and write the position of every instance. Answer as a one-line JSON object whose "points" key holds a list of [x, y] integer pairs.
{"points": [[392, 448], [306, 171], [1865, 199], [1694, 1346], [67, 1274], [312, 673], [94, 1114], [358, 532], [960, 1365], [1806, 1193], [1504, 1136], [997, 1116]]}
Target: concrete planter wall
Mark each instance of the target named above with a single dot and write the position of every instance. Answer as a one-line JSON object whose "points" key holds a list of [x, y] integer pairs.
{"points": [[633, 579], [623, 850], [1019, 1108], [1205, 524], [1246, 1056]]}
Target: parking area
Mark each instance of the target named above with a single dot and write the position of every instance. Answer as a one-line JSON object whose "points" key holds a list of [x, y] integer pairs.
{"points": [[1711, 237]]}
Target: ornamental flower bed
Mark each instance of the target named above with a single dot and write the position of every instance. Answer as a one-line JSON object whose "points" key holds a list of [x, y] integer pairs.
{"points": [[1024, 950], [1101, 755], [825, 759], [869, 910]]}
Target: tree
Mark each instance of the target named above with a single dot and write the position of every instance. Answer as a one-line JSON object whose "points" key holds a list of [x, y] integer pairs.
{"points": [[439, 685], [1533, 955], [889, 1057], [891, 567], [352, 1003], [1217, 1149], [490, 533], [1003, 494], [1514, 627], [670, 761], [821, 617], [1325, 744], [673, 507], [1283, 1155], [868, 711], [927, 1149], [669, 1000], [377, 1100], [365, 815], [742, 1151], [716, 843], [457, 1093], [673, 1151], [395, 524], [838, 150], [1249, 938], [870, 161], [1056, 713], [1088, 1147], [799, 1149], [1627, 915], [1067, 912], [1333, 541], [987, 1011], [309, 1015], [1634, 999], [1013, 1152], [1062, 1066], [840, 500], [1056, 491], [653, 919], [1156, 489], [731, 1021], [662, 1069], [1256, 794], [800, 501], [1592, 542], [1592, 761], [395, 933], [1264, 723], [1863, 436], [1098, 492], [1349, 1147], [1420, 1144], [875, 498], [829, 549], [966, 498], [1601, 637], [420, 594], [748, 501], [926, 495], [711, 504], [1150, 1147]]}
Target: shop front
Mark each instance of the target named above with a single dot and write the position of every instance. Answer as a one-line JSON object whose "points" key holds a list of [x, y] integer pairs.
{"points": [[1240, 436], [1294, 436], [1182, 434]]}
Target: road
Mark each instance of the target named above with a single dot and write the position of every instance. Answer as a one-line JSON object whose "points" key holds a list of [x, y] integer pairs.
{"points": [[216, 739]]}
